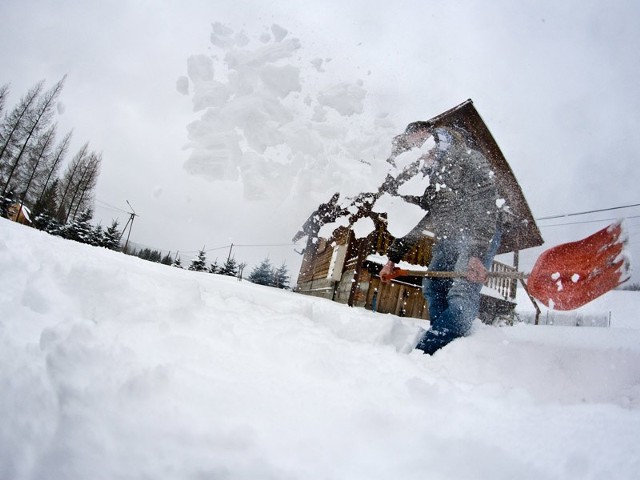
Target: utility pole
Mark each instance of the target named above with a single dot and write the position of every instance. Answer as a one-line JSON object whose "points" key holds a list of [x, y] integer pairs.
{"points": [[132, 216], [229, 256]]}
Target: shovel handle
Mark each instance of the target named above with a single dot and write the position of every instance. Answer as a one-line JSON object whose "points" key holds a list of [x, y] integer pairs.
{"points": [[399, 272]]}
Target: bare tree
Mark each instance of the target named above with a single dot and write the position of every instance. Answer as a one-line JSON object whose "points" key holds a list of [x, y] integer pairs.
{"points": [[53, 165], [37, 158], [35, 122], [68, 180], [13, 127], [4, 93], [78, 183], [84, 195]]}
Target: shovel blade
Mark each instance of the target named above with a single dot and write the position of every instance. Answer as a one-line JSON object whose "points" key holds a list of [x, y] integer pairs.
{"points": [[570, 275]]}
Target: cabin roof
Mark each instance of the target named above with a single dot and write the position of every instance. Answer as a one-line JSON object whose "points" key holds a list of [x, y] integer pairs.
{"points": [[523, 232]]}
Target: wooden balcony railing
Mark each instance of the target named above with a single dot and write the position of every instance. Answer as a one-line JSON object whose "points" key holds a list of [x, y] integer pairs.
{"points": [[506, 287]]}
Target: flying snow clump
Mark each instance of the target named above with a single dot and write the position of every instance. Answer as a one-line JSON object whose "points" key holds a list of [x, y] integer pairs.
{"points": [[278, 122]]}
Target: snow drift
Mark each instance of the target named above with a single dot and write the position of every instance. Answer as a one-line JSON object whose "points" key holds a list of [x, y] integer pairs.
{"points": [[117, 368]]}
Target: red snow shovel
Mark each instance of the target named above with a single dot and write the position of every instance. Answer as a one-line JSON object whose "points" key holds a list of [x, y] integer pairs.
{"points": [[570, 275]]}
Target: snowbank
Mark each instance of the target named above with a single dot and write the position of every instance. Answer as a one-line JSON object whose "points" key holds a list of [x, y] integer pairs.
{"points": [[117, 368]]}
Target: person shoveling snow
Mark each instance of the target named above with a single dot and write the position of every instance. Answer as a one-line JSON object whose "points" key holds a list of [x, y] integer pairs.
{"points": [[462, 204]]}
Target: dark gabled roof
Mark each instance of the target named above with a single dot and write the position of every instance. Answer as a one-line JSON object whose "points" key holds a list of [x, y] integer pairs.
{"points": [[523, 232]]}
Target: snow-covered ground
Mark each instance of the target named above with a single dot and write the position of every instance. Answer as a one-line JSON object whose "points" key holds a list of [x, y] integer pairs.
{"points": [[117, 368]]}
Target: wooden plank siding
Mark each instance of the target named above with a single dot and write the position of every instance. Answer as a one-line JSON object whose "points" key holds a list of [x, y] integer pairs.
{"points": [[360, 285], [317, 256], [314, 270], [400, 298]]}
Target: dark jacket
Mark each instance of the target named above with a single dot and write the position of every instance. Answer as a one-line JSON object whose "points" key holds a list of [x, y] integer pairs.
{"points": [[460, 199]]}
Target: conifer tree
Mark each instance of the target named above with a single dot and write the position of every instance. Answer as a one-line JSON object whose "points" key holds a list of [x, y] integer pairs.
{"points": [[44, 213], [167, 259], [112, 237], [214, 268], [199, 264], [229, 268], [177, 263], [281, 277], [5, 203], [96, 236], [150, 255], [80, 229], [144, 254], [262, 274]]}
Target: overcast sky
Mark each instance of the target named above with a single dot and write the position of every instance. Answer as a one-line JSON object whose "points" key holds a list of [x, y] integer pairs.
{"points": [[555, 81]]}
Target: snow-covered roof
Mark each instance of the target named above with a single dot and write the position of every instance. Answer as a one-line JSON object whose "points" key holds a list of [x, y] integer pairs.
{"points": [[382, 259]]}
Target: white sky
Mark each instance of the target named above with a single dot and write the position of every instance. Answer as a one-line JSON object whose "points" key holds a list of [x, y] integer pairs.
{"points": [[556, 82]]}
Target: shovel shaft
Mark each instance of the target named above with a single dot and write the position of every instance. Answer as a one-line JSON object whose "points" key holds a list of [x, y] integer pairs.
{"points": [[437, 274], [567, 276]]}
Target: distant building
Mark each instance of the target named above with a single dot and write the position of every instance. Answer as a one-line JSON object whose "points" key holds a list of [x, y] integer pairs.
{"points": [[19, 213]]}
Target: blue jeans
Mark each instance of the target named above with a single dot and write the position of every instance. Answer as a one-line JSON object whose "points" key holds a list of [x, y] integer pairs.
{"points": [[453, 303]]}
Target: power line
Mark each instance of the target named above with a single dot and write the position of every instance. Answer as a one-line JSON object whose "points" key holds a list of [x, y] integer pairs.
{"points": [[107, 205], [268, 245], [241, 245], [587, 212], [216, 248], [251, 245], [586, 221]]}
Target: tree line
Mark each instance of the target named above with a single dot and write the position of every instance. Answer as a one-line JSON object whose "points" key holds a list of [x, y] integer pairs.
{"points": [[32, 159], [33, 189], [262, 274]]}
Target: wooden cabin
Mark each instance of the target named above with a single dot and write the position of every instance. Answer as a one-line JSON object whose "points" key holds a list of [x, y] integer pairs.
{"points": [[345, 269], [19, 213]]}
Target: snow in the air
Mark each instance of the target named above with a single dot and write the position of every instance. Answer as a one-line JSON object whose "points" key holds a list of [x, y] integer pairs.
{"points": [[118, 368], [402, 216], [272, 117]]}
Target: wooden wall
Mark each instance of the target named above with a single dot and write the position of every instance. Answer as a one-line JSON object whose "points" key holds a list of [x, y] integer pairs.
{"points": [[359, 283], [400, 298], [312, 279]]}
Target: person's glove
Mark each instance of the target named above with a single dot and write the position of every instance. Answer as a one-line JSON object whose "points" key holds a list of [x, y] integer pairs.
{"points": [[476, 271], [387, 271]]}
